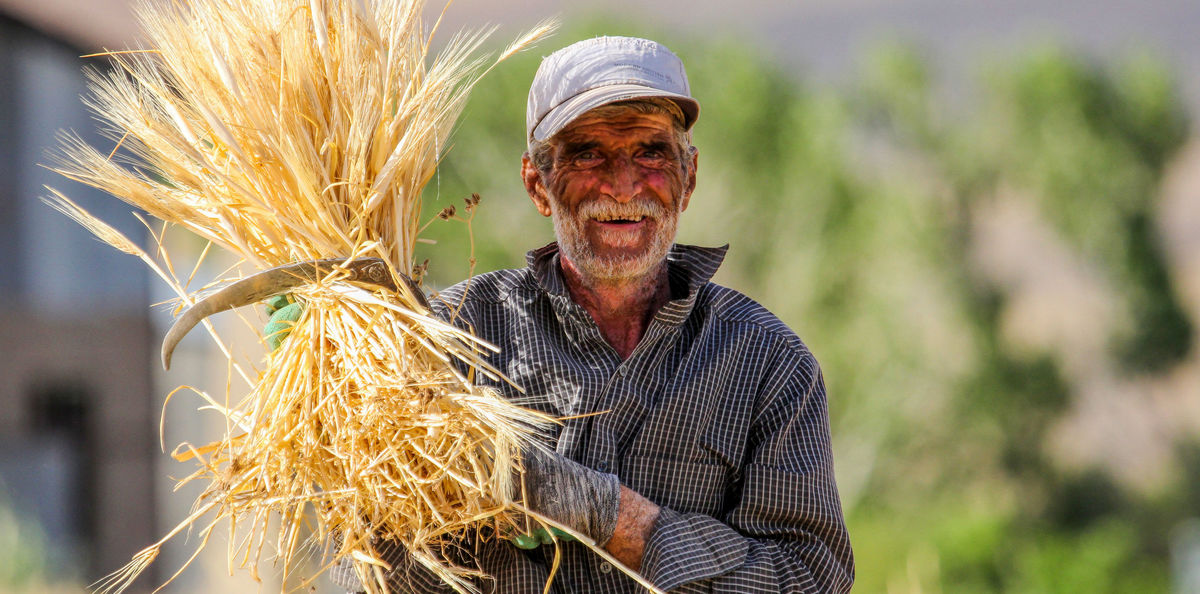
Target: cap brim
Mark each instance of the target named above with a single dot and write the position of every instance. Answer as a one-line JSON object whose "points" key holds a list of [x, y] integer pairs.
{"points": [[580, 104]]}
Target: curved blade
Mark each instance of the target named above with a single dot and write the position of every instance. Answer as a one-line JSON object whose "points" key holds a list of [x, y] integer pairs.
{"points": [[274, 281]]}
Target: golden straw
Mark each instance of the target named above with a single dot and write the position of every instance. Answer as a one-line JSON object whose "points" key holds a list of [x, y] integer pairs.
{"points": [[291, 130]]}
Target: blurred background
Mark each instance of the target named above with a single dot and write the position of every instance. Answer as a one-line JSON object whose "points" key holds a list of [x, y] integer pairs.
{"points": [[983, 218]]}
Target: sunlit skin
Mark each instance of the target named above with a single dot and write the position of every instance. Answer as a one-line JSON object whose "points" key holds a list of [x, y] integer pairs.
{"points": [[615, 191]]}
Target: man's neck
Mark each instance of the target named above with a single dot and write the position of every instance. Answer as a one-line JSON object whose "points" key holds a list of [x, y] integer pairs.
{"points": [[621, 309]]}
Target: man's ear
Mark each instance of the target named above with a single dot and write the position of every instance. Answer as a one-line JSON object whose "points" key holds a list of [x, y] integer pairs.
{"points": [[690, 182], [535, 186]]}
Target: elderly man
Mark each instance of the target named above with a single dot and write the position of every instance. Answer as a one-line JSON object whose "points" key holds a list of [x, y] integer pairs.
{"points": [[708, 467]]}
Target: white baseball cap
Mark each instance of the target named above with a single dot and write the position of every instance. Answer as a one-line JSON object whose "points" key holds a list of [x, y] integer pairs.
{"points": [[599, 71]]}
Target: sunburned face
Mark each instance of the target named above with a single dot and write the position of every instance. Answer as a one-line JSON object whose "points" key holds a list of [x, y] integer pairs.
{"points": [[615, 191]]}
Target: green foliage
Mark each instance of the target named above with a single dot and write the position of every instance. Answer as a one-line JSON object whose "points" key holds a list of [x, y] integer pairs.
{"points": [[22, 547], [1091, 149], [849, 213], [1093, 146], [1101, 558]]}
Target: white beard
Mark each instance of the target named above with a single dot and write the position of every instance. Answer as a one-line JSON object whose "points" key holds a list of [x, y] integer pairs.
{"points": [[574, 245]]}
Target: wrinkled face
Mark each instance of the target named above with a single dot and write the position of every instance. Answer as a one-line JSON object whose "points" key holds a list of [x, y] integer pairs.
{"points": [[615, 189]]}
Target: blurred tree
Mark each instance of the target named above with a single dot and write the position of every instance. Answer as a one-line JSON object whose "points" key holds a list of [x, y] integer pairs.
{"points": [[1065, 133], [1094, 145], [22, 549]]}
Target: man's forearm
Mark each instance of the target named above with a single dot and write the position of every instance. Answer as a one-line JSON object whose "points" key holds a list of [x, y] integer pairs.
{"points": [[634, 525]]}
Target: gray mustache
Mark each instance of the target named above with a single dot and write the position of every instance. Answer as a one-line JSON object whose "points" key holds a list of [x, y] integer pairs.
{"points": [[615, 210]]}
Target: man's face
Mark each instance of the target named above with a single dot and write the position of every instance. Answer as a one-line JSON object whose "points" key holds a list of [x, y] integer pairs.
{"points": [[615, 190]]}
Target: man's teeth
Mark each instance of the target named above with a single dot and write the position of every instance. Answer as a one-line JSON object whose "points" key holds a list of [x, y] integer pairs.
{"points": [[610, 219]]}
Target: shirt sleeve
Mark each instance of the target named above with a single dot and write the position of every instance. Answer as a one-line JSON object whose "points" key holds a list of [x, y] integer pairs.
{"points": [[509, 570], [785, 531]]}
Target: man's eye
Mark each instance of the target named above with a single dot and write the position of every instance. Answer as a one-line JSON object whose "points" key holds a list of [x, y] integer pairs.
{"points": [[586, 156], [652, 156]]}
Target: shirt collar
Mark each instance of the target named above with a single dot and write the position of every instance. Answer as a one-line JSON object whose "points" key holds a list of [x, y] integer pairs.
{"points": [[689, 268]]}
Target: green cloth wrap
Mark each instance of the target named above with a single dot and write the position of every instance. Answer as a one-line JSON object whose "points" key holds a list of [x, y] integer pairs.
{"points": [[283, 319], [279, 302], [540, 536]]}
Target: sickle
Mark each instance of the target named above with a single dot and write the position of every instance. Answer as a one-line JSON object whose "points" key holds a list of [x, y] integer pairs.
{"points": [[281, 279]]}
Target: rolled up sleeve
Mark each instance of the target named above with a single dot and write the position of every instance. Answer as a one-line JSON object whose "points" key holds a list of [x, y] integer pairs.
{"points": [[786, 532]]}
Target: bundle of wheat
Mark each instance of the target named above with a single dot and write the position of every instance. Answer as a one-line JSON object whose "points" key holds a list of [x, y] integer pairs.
{"points": [[292, 130]]}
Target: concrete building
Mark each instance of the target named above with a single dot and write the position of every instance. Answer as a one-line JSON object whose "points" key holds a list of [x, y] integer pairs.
{"points": [[77, 444]]}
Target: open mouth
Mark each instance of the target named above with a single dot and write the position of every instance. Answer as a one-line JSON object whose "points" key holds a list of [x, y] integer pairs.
{"points": [[619, 220]]}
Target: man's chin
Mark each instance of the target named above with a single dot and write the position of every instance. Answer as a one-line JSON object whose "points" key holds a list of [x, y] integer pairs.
{"points": [[608, 262], [618, 267]]}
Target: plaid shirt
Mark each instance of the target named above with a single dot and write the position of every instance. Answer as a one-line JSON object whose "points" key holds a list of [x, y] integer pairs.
{"points": [[719, 417]]}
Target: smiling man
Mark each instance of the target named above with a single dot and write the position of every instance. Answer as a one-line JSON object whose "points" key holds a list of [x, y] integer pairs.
{"points": [[696, 444], [615, 181]]}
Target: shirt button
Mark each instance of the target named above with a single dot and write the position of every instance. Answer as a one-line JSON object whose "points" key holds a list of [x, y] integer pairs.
{"points": [[621, 371], [606, 567], [602, 467]]}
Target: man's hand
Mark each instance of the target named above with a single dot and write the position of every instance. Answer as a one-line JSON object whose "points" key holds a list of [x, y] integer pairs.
{"points": [[588, 501], [585, 500]]}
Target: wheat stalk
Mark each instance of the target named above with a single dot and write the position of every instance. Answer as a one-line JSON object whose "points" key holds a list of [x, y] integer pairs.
{"points": [[289, 130]]}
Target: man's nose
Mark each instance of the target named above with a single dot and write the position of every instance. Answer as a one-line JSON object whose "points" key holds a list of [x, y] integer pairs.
{"points": [[623, 180]]}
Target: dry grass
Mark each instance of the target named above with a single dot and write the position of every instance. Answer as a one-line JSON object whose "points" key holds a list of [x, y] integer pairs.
{"points": [[292, 130]]}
